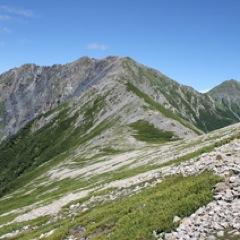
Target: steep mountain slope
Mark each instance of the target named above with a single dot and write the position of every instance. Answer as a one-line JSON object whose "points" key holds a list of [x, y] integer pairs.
{"points": [[228, 90], [111, 113], [127, 195], [78, 136], [114, 103], [202, 110], [227, 96], [31, 90]]}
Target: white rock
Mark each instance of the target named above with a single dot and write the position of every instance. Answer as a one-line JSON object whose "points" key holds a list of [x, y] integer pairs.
{"points": [[220, 233], [176, 219]]}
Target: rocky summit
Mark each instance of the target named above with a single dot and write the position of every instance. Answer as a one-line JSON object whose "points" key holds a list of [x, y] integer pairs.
{"points": [[31, 90], [112, 149]]}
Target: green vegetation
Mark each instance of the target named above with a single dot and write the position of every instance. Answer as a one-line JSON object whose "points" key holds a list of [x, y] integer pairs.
{"points": [[157, 106], [69, 185], [151, 209], [185, 100], [154, 209], [25, 151], [214, 120], [2, 110], [110, 151], [148, 133], [13, 227]]}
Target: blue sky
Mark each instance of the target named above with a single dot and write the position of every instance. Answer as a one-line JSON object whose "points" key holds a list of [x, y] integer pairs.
{"points": [[194, 42]]}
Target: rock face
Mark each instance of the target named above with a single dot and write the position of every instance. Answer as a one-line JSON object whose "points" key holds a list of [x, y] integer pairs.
{"points": [[31, 90]]}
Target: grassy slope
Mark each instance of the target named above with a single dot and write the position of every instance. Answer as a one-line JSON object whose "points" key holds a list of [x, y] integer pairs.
{"points": [[157, 106], [151, 209], [206, 120], [26, 150], [208, 117], [69, 185]]}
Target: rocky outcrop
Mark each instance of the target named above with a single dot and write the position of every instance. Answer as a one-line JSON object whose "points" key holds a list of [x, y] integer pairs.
{"points": [[31, 90]]}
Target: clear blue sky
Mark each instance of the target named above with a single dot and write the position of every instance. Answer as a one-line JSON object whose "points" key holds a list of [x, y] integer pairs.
{"points": [[194, 42]]}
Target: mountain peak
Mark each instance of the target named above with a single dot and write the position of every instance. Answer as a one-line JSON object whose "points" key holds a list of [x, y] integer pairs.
{"points": [[231, 83], [44, 88], [227, 87], [227, 92]]}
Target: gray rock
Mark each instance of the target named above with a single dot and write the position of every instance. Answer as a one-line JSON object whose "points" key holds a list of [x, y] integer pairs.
{"points": [[222, 186]]}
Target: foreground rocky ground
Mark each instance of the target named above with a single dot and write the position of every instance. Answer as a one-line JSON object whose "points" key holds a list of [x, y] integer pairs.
{"points": [[220, 219]]}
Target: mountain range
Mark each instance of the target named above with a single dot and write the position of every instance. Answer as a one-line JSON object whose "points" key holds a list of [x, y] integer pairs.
{"points": [[31, 90], [91, 123]]}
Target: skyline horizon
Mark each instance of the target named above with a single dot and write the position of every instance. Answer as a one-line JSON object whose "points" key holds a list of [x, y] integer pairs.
{"points": [[106, 56], [196, 43]]}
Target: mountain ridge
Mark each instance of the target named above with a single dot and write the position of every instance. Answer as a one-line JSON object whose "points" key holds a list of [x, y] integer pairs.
{"points": [[80, 75], [88, 103], [94, 148]]}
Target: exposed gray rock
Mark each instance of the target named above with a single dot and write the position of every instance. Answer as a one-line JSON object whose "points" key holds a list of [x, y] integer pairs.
{"points": [[31, 90]]}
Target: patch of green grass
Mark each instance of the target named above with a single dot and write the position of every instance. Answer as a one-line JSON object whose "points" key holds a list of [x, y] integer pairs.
{"points": [[41, 193], [26, 151], [137, 216], [17, 226], [7, 218], [157, 106], [110, 151], [148, 133], [69, 185]]}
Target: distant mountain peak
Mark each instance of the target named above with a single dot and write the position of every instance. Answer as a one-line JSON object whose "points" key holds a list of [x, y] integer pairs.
{"points": [[227, 87], [231, 83]]}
